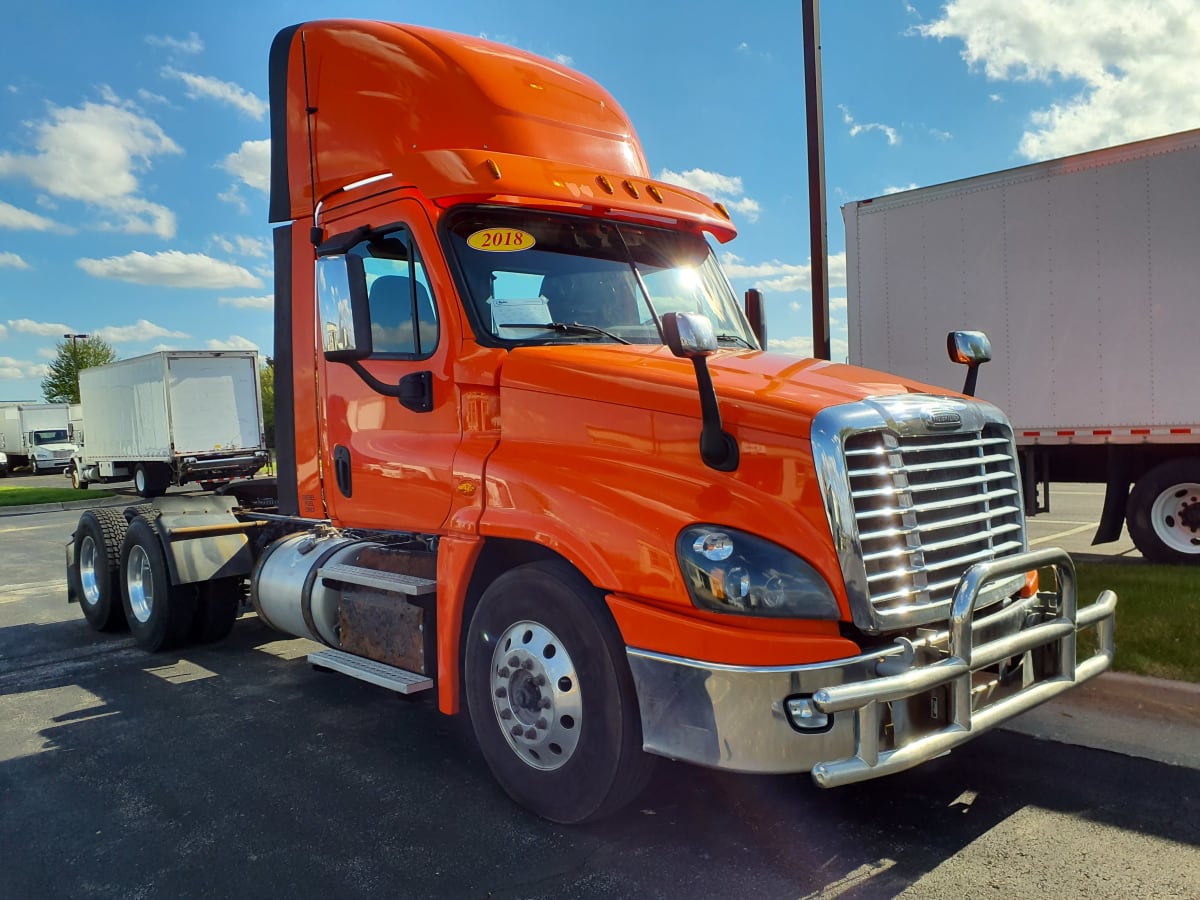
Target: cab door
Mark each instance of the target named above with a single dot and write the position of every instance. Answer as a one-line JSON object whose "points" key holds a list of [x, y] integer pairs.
{"points": [[390, 420]]}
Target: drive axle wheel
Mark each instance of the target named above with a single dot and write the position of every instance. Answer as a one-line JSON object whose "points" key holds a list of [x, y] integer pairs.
{"points": [[159, 613], [550, 695], [1164, 512], [96, 549]]}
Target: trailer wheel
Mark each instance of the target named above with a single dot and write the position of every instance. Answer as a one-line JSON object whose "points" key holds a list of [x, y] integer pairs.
{"points": [[219, 603], [148, 481], [550, 695], [159, 613], [1164, 512], [96, 549]]}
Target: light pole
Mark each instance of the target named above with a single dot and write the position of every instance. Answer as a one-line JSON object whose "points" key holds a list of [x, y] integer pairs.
{"points": [[75, 358]]}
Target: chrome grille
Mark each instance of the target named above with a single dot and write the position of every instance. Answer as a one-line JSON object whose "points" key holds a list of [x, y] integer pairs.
{"points": [[929, 506]]}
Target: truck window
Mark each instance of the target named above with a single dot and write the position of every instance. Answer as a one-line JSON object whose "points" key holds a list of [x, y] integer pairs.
{"points": [[404, 320], [525, 268], [49, 436]]}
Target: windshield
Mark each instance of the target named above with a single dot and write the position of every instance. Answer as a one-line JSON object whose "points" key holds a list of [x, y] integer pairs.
{"points": [[58, 436], [549, 277]]}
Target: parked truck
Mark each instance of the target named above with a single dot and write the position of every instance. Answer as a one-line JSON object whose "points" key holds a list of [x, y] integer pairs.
{"points": [[35, 435], [1084, 273], [171, 417], [533, 457]]}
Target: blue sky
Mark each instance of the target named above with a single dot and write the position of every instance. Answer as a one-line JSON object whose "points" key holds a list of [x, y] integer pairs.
{"points": [[133, 147]]}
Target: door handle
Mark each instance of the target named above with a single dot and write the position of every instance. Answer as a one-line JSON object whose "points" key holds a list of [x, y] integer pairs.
{"points": [[341, 470]]}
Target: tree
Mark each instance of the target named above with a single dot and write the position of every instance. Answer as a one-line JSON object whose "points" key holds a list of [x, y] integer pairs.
{"points": [[61, 384], [267, 382]]}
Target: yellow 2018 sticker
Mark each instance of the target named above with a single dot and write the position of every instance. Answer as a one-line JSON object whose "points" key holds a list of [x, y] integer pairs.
{"points": [[501, 240]]}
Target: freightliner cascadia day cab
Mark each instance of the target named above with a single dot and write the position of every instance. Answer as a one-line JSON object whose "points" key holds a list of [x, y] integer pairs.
{"points": [[534, 457]]}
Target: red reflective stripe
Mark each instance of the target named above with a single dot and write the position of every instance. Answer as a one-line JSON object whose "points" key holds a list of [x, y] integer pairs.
{"points": [[1066, 433], [1102, 431], [1139, 431], [1031, 434], [1181, 431]]}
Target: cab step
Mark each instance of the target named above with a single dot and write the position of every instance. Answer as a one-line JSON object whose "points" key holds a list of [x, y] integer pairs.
{"points": [[399, 680], [410, 585]]}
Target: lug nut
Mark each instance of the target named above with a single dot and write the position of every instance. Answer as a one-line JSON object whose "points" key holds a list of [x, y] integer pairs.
{"points": [[545, 704], [540, 680], [530, 733], [542, 724], [516, 731], [514, 660], [506, 713], [501, 692], [527, 665], [503, 672]]}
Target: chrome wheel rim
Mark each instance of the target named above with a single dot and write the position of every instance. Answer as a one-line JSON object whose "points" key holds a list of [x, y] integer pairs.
{"points": [[535, 695], [140, 580], [139, 480], [87, 571]]}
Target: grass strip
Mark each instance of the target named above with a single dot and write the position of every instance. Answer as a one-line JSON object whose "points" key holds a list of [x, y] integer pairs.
{"points": [[27, 496]]}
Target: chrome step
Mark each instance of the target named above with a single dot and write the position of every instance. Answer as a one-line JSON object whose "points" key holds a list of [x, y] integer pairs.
{"points": [[411, 585], [399, 680]]}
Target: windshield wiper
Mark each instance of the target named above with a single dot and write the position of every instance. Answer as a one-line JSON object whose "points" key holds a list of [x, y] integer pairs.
{"points": [[734, 339], [567, 328]]}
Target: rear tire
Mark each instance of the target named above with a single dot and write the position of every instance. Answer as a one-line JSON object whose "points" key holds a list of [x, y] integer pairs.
{"points": [[1163, 513], [159, 613], [149, 481], [550, 695], [96, 551]]}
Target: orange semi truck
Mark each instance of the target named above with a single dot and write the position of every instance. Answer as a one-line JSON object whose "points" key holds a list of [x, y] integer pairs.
{"points": [[534, 456]]}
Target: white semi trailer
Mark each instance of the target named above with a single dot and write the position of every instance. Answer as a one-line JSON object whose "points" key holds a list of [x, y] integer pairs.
{"points": [[171, 417], [1085, 273]]}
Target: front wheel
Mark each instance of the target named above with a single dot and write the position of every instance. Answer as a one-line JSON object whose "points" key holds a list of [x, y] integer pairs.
{"points": [[159, 613], [550, 695], [1164, 512], [77, 481]]}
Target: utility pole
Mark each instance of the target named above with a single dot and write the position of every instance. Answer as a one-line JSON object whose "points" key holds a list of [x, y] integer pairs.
{"points": [[817, 228]]}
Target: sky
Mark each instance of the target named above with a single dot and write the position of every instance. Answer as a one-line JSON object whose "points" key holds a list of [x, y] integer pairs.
{"points": [[134, 138]]}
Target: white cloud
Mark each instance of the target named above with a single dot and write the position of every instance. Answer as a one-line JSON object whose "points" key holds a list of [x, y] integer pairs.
{"points": [[141, 330], [190, 44], [725, 188], [857, 128], [839, 348], [171, 268], [893, 189], [215, 89], [48, 352], [93, 153], [233, 342], [781, 277], [18, 369], [241, 244], [42, 329], [563, 59], [265, 302], [3, 332], [251, 162], [12, 261], [1137, 66], [22, 219]]}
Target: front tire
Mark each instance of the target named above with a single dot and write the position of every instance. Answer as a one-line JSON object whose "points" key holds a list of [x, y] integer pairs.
{"points": [[159, 613], [1163, 513], [550, 695], [96, 550], [77, 481]]}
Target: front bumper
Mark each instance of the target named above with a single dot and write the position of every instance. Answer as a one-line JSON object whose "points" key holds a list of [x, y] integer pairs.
{"points": [[889, 710]]}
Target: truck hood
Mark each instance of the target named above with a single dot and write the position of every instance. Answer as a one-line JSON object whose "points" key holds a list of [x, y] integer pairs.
{"points": [[756, 389], [55, 447]]}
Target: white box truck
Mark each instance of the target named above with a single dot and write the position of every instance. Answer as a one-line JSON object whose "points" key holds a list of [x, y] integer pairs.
{"points": [[35, 435], [1085, 273], [172, 417]]}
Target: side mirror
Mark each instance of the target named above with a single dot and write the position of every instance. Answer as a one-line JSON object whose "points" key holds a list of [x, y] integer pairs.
{"points": [[756, 312], [971, 349], [345, 313], [690, 336]]}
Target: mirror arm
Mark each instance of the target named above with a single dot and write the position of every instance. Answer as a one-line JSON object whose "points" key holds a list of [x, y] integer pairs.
{"points": [[718, 448]]}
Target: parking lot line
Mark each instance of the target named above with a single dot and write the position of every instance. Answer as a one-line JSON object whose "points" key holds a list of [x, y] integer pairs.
{"points": [[1061, 534]]}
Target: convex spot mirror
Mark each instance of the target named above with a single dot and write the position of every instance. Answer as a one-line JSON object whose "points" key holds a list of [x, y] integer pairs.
{"points": [[342, 303], [968, 347], [689, 335]]}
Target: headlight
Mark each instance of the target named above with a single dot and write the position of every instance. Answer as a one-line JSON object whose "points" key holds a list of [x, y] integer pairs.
{"points": [[734, 572]]}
